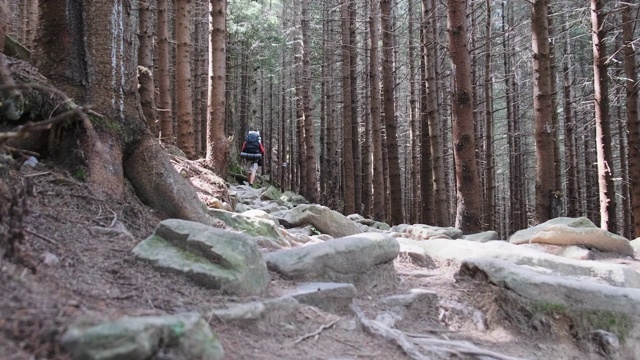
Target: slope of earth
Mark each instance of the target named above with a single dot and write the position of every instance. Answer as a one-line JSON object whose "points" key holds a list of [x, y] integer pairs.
{"points": [[79, 244]]}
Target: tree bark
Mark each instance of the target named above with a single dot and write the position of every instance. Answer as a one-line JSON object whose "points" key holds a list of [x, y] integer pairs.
{"points": [[106, 73], [603, 127], [571, 157], [427, 163], [545, 169], [376, 116], [468, 213], [164, 79], [145, 66], [633, 122], [184, 96], [347, 129], [309, 140], [414, 137], [441, 213], [490, 181], [217, 144], [395, 182]]}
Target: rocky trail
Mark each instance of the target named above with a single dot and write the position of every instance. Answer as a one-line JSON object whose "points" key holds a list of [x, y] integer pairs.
{"points": [[278, 278]]}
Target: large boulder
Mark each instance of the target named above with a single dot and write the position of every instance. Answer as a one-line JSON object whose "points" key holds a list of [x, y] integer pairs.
{"points": [[426, 232], [291, 199], [255, 225], [590, 307], [595, 238], [183, 336], [322, 218], [524, 236], [457, 251], [215, 258], [365, 260]]}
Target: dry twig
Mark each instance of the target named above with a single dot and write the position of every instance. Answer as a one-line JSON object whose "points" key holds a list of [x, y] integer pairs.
{"points": [[49, 240], [315, 333]]}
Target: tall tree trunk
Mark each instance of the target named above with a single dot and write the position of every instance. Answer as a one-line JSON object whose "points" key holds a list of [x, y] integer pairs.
{"points": [[571, 156], [545, 169], [468, 213], [633, 122], [299, 99], [367, 175], [603, 127], [556, 197], [376, 116], [309, 140], [395, 183], [324, 113], [184, 98], [99, 31], [426, 163], [414, 184], [217, 144], [145, 66], [355, 123], [490, 182], [435, 123], [164, 79], [347, 135]]}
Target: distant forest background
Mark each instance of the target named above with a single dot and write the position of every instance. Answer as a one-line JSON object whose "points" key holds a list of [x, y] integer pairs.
{"points": [[485, 115]]}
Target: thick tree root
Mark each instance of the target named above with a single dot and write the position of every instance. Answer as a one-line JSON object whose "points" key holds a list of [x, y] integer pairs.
{"points": [[411, 346]]}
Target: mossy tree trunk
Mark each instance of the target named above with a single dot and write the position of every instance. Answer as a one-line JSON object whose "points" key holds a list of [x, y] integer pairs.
{"points": [[93, 58]]}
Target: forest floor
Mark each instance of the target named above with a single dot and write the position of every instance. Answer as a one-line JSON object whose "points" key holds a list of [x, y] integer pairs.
{"points": [[84, 271]]}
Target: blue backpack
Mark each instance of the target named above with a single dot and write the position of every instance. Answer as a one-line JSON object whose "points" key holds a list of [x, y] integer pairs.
{"points": [[252, 142], [251, 146]]}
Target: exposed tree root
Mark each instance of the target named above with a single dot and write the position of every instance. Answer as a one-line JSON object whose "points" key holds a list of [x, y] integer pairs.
{"points": [[376, 328], [411, 344]]}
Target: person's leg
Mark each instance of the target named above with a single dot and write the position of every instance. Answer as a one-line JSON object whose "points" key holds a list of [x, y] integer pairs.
{"points": [[252, 172]]}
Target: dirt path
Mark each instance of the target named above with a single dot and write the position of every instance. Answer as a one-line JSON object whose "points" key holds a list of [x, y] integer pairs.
{"points": [[86, 271]]}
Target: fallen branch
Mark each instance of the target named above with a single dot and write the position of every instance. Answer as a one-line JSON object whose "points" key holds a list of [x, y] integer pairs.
{"points": [[398, 337], [317, 332], [50, 241]]}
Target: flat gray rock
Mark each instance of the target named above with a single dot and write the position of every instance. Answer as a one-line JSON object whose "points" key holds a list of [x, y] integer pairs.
{"points": [[365, 260], [459, 250], [331, 297], [323, 219], [590, 306], [215, 258], [183, 336]]}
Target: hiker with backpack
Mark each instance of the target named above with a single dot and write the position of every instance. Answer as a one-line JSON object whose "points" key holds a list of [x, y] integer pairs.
{"points": [[253, 152]]}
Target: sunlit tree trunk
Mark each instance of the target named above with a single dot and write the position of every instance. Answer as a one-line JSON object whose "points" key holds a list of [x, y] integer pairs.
{"points": [[426, 164], [217, 144], [366, 151], [468, 213], [347, 135], [184, 98], [490, 182], [439, 180], [145, 65], [603, 127], [545, 169], [164, 79], [299, 99], [571, 157], [99, 31], [376, 115], [355, 124], [395, 183], [633, 123], [414, 184], [309, 139]]}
